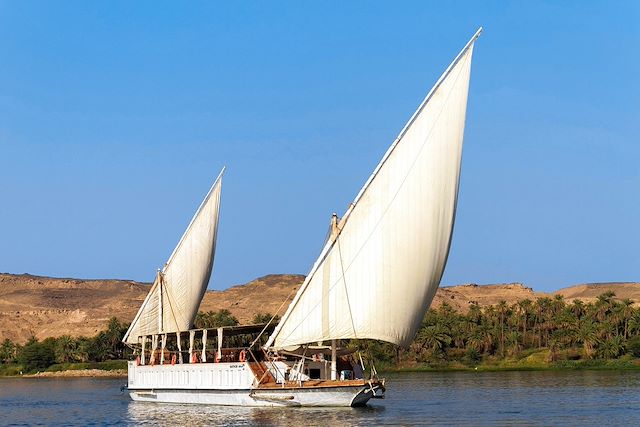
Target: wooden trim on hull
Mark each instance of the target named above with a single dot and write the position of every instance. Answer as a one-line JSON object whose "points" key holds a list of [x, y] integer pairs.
{"points": [[314, 384]]}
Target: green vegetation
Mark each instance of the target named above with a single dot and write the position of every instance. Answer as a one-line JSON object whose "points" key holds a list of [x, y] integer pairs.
{"points": [[7, 351], [215, 319], [35, 356], [547, 333], [10, 369], [104, 351], [261, 318]]}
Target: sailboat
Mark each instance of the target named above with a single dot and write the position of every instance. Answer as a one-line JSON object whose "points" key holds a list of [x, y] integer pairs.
{"points": [[375, 277]]}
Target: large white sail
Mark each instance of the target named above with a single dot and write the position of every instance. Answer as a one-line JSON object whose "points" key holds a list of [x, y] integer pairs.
{"points": [[174, 298], [378, 273]]}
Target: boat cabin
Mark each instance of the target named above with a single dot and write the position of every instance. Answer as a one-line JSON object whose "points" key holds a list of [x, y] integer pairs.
{"points": [[225, 344], [239, 344]]}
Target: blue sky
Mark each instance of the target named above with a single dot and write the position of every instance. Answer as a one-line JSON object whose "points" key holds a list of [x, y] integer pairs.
{"points": [[116, 117]]}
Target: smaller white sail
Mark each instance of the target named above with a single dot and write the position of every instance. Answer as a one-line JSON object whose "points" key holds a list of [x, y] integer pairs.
{"points": [[175, 296]]}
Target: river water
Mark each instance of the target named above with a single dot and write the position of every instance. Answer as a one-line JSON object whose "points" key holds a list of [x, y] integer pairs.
{"points": [[452, 398]]}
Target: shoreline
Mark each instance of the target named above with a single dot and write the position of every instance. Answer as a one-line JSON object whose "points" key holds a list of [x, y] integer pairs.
{"points": [[75, 373], [122, 373], [511, 369], [584, 365]]}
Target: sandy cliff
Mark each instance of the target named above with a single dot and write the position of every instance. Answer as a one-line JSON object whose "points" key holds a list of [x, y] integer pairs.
{"points": [[45, 306]]}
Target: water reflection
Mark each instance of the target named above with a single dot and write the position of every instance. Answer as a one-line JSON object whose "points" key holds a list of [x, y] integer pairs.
{"points": [[459, 398], [178, 414]]}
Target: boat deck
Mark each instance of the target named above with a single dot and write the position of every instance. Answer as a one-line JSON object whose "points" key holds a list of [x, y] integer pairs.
{"points": [[267, 381]]}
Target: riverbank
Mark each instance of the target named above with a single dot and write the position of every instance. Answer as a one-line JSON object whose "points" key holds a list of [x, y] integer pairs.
{"points": [[116, 373], [507, 368], [530, 360], [624, 364], [536, 361], [109, 368]]}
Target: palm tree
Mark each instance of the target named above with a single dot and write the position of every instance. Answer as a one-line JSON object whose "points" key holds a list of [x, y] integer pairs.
{"points": [[475, 338], [612, 347], [215, 319], [557, 304], [542, 316], [565, 326], [66, 349], [434, 338], [578, 308], [486, 332], [554, 346], [502, 311], [634, 323], [84, 348], [605, 330], [587, 335], [513, 342], [458, 332], [260, 318], [475, 313], [7, 351], [524, 311], [627, 314], [603, 304]]}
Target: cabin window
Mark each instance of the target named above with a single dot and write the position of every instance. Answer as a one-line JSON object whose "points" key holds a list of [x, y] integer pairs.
{"points": [[314, 373]]}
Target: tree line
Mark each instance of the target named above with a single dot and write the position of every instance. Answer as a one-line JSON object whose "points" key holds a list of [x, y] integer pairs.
{"points": [[223, 317], [605, 329], [37, 355]]}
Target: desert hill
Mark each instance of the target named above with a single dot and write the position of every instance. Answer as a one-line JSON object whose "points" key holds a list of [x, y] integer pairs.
{"points": [[45, 306], [589, 292], [459, 297], [263, 295]]}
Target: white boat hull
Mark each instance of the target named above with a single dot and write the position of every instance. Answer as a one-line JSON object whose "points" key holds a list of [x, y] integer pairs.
{"points": [[234, 384], [343, 396]]}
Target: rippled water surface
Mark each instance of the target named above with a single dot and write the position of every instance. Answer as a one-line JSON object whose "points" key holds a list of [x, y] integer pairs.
{"points": [[457, 398]]}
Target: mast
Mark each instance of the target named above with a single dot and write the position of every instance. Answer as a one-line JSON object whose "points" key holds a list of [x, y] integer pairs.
{"points": [[334, 361], [160, 295]]}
